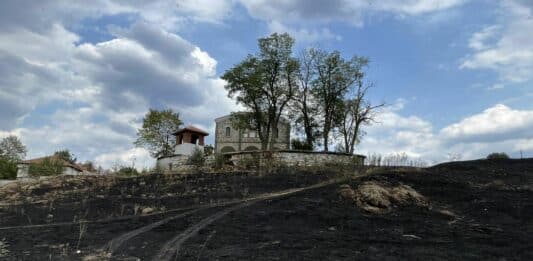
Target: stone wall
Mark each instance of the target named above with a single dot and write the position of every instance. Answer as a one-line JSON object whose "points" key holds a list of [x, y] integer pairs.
{"points": [[178, 163], [296, 158]]}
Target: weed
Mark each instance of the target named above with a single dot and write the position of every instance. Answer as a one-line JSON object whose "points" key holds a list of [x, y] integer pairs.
{"points": [[83, 229], [4, 251]]}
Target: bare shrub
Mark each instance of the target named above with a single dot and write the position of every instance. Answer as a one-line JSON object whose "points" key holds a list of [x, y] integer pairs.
{"points": [[4, 251]]}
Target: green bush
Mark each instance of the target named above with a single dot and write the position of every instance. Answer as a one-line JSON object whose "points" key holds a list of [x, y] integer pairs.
{"points": [[127, 172], [48, 167], [197, 158], [498, 155], [220, 160], [300, 145], [8, 168]]}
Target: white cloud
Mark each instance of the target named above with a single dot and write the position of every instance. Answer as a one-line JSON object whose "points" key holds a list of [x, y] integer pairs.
{"points": [[300, 16], [496, 129], [493, 124], [505, 49], [94, 95]]}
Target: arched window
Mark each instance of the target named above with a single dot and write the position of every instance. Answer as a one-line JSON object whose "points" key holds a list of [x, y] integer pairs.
{"points": [[228, 131]]}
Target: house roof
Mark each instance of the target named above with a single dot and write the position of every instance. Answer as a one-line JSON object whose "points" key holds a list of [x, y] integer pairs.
{"points": [[193, 129], [54, 158]]}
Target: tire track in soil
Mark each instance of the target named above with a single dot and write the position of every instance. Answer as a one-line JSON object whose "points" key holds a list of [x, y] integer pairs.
{"points": [[171, 248]]}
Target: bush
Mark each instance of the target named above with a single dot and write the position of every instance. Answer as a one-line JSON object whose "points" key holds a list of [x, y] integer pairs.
{"points": [[498, 155], [300, 145], [197, 158], [220, 160], [127, 172], [8, 168], [48, 167]]}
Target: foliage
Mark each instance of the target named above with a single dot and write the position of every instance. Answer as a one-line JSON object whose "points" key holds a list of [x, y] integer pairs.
{"points": [[334, 78], [66, 155], [220, 160], [126, 171], [497, 155], [209, 150], [394, 159], [156, 133], [356, 112], [8, 168], [305, 110], [264, 84], [12, 148], [298, 144], [48, 167], [89, 166], [4, 251], [197, 158]]}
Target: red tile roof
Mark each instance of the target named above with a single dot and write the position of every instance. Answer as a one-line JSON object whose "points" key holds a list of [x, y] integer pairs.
{"points": [[54, 158], [193, 129]]}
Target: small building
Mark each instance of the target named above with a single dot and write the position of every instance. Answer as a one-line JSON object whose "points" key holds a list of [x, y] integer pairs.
{"points": [[230, 139], [23, 170], [188, 139]]}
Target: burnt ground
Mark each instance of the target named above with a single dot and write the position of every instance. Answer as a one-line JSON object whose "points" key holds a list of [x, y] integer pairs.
{"points": [[477, 210]]}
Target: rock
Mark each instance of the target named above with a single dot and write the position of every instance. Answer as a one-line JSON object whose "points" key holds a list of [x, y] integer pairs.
{"points": [[147, 211]]}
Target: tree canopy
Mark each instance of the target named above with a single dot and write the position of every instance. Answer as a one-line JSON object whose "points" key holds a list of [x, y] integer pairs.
{"points": [[11, 148], [264, 84], [156, 133]]}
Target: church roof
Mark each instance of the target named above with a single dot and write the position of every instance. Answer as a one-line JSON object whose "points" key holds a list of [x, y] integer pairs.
{"points": [[193, 129]]}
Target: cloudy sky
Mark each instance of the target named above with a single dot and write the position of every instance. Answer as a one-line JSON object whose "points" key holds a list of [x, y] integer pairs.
{"points": [[458, 74]]}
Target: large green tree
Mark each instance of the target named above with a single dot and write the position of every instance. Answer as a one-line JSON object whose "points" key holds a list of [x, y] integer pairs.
{"points": [[66, 155], [12, 148], [156, 134], [11, 152], [334, 78], [264, 84], [304, 105]]}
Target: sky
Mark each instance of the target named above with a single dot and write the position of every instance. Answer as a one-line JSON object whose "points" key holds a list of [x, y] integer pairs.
{"points": [[457, 75]]}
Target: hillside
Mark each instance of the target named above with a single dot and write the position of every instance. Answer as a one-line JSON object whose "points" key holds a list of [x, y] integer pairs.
{"points": [[477, 210]]}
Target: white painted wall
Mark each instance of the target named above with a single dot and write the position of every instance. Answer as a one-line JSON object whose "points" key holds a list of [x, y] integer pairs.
{"points": [[187, 149], [23, 171]]}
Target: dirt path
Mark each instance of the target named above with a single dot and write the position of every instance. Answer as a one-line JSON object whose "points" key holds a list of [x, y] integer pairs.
{"points": [[172, 247]]}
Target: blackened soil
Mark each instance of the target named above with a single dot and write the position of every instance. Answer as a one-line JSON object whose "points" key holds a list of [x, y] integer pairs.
{"points": [[478, 210]]}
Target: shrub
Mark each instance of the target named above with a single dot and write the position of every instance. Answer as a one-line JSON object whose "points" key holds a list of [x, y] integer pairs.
{"points": [[298, 144], [48, 167], [498, 155], [197, 158], [8, 168], [220, 160], [127, 172]]}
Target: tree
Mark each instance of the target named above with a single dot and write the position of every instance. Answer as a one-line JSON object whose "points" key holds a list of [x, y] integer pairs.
{"points": [[335, 76], [11, 148], [498, 156], [156, 134], [66, 155], [264, 84], [304, 104], [356, 112]]}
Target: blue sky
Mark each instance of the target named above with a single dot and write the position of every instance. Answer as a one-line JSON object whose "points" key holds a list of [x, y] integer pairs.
{"points": [[80, 75]]}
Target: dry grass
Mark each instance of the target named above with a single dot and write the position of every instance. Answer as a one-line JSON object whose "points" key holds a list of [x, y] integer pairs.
{"points": [[377, 198], [4, 251]]}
